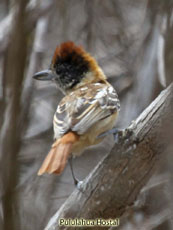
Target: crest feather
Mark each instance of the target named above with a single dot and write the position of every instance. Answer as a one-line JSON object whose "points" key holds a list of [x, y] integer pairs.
{"points": [[66, 49], [73, 63]]}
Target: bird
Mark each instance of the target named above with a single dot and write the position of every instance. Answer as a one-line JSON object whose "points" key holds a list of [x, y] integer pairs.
{"points": [[89, 108]]}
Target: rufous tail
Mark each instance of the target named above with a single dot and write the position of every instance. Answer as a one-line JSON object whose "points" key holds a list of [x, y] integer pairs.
{"points": [[56, 159]]}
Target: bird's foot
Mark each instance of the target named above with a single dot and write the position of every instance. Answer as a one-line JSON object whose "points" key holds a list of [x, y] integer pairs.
{"points": [[117, 133], [79, 186], [78, 183], [122, 133]]}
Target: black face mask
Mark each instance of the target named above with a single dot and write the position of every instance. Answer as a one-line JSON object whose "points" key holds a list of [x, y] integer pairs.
{"points": [[71, 69]]}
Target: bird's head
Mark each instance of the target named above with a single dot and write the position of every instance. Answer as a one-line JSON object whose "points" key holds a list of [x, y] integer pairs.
{"points": [[71, 67]]}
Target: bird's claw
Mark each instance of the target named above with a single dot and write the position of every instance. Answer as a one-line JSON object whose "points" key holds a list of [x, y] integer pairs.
{"points": [[79, 186], [123, 133], [118, 133]]}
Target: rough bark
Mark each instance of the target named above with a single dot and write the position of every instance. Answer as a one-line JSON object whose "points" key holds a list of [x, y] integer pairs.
{"points": [[115, 183]]}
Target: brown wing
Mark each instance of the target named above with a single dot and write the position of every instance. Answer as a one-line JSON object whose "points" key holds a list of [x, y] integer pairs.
{"points": [[84, 107]]}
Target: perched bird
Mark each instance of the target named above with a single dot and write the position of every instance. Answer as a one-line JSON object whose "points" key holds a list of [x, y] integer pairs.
{"points": [[89, 108]]}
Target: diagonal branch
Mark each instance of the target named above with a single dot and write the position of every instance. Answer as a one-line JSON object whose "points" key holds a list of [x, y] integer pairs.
{"points": [[115, 183]]}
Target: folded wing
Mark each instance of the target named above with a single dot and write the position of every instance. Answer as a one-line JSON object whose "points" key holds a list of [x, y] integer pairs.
{"points": [[80, 110]]}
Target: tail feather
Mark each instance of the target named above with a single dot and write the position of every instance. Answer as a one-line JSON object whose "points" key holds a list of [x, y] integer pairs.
{"points": [[61, 157], [56, 159]]}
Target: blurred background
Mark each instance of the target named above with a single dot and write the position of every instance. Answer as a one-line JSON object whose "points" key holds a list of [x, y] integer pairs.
{"points": [[133, 42]]}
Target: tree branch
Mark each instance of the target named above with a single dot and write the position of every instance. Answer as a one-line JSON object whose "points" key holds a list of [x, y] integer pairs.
{"points": [[118, 179], [115, 183], [6, 26], [10, 135]]}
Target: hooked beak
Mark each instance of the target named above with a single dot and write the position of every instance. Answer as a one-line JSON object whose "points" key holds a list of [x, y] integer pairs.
{"points": [[45, 75]]}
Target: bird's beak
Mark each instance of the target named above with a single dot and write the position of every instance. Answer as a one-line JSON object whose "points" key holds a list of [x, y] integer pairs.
{"points": [[45, 75]]}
